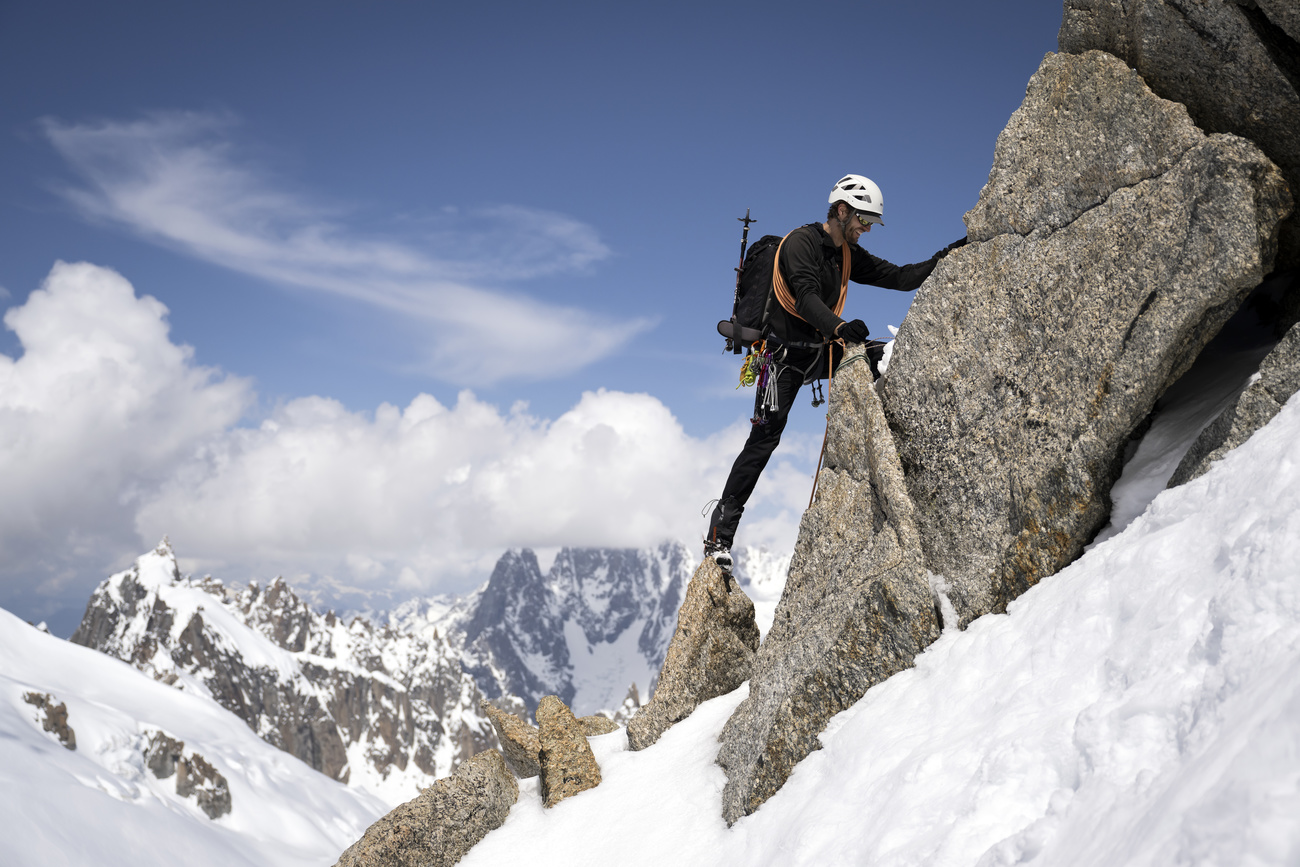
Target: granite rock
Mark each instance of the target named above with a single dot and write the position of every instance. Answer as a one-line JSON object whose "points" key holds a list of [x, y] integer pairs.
{"points": [[710, 654], [568, 766], [444, 822], [1027, 359], [857, 605], [1278, 378], [596, 725], [519, 740], [1235, 64]]}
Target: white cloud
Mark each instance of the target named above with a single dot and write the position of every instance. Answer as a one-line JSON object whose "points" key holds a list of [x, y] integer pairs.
{"points": [[111, 436], [99, 407], [174, 179]]}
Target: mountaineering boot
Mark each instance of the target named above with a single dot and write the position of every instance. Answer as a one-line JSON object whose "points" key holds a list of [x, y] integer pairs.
{"points": [[722, 531]]}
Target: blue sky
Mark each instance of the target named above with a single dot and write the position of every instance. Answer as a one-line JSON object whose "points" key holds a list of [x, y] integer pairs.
{"points": [[345, 206]]}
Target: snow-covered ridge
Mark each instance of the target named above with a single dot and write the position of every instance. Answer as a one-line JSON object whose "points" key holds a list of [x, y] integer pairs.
{"points": [[391, 706], [380, 708], [103, 803]]}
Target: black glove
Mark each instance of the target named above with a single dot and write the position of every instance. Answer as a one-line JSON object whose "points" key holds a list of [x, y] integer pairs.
{"points": [[852, 332], [953, 246]]}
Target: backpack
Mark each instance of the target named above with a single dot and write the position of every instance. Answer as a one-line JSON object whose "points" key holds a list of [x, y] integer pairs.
{"points": [[751, 311]]}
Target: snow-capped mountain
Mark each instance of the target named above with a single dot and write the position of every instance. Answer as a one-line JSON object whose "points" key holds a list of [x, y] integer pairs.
{"points": [[592, 630], [391, 707], [384, 710]]}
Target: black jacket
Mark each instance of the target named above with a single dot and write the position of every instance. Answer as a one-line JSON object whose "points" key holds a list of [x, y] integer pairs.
{"points": [[810, 264]]}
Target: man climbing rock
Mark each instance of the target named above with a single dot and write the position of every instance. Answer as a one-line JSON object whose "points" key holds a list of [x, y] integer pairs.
{"points": [[806, 334]]}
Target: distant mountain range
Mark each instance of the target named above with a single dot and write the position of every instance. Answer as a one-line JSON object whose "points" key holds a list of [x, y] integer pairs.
{"points": [[391, 706]]}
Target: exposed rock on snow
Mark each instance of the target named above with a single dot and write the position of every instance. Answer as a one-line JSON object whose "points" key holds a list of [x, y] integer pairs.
{"points": [[710, 654], [52, 717], [567, 763], [195, 776], [1029, 357], [1234, 64], [519, 741], [857, 606], [1277, 380], [444, 822]]}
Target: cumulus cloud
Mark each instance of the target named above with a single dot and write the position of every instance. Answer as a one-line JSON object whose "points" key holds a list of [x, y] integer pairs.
{"points": [[98, 409], [111, 436], [175, 179]]}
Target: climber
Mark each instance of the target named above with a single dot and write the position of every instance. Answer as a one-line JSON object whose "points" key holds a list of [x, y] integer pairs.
{"points": [[802, 327]]}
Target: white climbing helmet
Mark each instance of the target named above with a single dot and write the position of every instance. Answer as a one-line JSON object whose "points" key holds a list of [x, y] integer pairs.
{"points": [[861, 194]]}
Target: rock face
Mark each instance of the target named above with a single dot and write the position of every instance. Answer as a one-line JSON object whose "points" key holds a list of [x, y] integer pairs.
{"points": [[1235, 64], [519, 741], [567, 763], [444, 822], [1277, 380], [523, 629], [53, 717], [857, 606], [710, 655], [1098, 268]]}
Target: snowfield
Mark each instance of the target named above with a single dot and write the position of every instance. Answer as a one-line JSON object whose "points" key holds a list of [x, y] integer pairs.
{"points": [[1140, 707]]}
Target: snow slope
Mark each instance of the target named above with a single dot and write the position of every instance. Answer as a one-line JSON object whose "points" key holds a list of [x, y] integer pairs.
{"points": [[1142, 706], [99, 805]]}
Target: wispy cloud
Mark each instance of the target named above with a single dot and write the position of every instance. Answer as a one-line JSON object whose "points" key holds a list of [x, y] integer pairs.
{"points": [[175, 179]]}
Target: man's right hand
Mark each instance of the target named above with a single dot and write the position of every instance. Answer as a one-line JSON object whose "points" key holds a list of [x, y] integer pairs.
{"points": [[852, 332]]}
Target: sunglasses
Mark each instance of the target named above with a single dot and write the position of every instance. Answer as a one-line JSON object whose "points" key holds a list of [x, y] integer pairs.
{"points": [[866, 219]]}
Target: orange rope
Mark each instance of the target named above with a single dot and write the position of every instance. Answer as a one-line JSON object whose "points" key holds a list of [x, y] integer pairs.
{"points": [[783, 292]]}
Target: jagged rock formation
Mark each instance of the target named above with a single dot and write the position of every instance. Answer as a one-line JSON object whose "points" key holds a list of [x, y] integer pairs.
{"points": [[857, 605], [1277, 380], [519, 741], [53, 717], [444, 822], [195, 775], [575, 632], [380, 708], [1235, 64], [568, 766], [710, 655], [1098, 268]]}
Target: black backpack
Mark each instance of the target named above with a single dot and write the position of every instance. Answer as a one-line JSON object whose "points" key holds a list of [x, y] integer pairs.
{"points": [[752, 309]]}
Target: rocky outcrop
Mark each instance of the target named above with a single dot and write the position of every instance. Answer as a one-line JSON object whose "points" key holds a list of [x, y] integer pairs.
{"points": [[710, 655], [596, 725], [1278, 378], [195, 777], [444, 822], [1098, 268], [857, 605], [1235, 64], [519, 741], [161, 754], [568, 766], [53, 717]]}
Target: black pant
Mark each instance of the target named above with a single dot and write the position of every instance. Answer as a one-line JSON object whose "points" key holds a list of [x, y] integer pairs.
{"points": [[799, 365]]}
